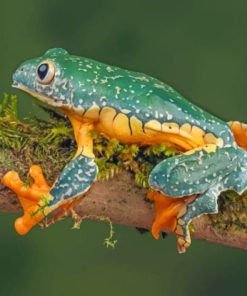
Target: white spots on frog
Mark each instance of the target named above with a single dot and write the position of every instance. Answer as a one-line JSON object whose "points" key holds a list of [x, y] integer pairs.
{"points": [[149, 93], [115, 77], [159, 85], [96, 80], [109, 69], [103, 81], [141, 78], [169, 116], [89, 66], [125, 111], [103, 98], [156, 114], [118, 90]]}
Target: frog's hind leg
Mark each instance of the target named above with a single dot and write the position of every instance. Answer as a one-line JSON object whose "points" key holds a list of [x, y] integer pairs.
{"points": [[187, 186], [239, 130]]}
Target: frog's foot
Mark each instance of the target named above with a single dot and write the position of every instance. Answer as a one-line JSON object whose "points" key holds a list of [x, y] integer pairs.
{"points": [[168, 217], [34, 198], [183, 235]]}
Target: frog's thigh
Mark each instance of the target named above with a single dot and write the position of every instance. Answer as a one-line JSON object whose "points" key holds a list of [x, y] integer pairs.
{"points": [[176, 182]]}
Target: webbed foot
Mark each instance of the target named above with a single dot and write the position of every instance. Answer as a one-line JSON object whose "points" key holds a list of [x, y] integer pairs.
{"points": [[34, 198], [168, 217]]}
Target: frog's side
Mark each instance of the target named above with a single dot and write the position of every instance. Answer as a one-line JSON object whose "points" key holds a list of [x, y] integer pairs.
{"points": [[134, 108]]}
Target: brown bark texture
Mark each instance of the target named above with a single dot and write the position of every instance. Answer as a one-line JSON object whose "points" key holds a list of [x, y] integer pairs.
{"points": [[123, 202]]}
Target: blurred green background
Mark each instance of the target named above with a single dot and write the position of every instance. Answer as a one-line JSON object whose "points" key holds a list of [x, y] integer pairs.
{"points": [[198, 47]]}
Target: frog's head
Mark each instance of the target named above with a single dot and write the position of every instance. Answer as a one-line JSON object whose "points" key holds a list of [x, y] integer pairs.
{"points": [[48, 78]]}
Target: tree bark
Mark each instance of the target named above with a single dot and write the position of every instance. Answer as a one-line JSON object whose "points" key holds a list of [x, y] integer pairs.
{"points": [[123, 202]]}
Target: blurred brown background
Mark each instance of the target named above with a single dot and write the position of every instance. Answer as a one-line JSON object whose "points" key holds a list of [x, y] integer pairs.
{"points": [[198, 47]]}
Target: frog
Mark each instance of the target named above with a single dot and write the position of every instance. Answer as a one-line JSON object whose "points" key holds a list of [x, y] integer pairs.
{"points": [[133, 108]]}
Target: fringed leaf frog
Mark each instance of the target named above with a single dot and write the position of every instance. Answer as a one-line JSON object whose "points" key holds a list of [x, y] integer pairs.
{"points": [[133, 108]]}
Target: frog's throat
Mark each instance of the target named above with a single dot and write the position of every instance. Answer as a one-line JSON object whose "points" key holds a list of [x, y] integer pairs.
{"points": [[38, 96]]}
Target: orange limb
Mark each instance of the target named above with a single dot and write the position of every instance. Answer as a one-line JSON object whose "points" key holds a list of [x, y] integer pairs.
{"points": [[30, 197], [240, 133], [83, 139], [167, 216]]}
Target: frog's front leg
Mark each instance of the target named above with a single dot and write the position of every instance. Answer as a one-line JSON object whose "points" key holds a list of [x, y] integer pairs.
{"points": [[39, 200]]}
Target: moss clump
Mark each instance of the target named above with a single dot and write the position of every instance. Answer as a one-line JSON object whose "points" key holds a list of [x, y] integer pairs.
{"points": [[46, 142], [232, 212], [51, 143]]}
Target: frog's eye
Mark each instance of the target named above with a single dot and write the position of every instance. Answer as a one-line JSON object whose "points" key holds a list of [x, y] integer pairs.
{"points": [[46, 72]]}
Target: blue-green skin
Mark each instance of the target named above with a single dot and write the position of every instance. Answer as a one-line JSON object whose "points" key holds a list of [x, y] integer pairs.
{"points": [[80, 83]]}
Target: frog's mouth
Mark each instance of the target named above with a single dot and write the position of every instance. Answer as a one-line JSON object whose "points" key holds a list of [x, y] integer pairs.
{"points": [[43, 98]]}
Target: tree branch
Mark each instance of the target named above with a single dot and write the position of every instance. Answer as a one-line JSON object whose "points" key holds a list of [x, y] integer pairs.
{"points": [[123, 202]]}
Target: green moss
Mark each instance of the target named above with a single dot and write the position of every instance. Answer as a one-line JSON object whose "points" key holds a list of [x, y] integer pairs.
{"points": [[51, 143]]}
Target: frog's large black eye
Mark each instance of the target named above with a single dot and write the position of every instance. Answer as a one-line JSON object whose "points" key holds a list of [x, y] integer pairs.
{"points": [[46, 72]]}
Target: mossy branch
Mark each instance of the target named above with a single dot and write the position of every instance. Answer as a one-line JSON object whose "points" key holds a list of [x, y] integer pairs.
{"points": [[120, 193]]}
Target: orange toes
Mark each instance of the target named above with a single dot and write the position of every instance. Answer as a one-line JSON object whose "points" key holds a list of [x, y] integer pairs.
{"points": [[37, 174], [31, 217], [12, 181], [156, 229], [31, 198], [182, 244]]}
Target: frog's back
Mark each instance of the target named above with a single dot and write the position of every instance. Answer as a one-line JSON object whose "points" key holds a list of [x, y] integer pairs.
{"points": [[147, 109]]}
